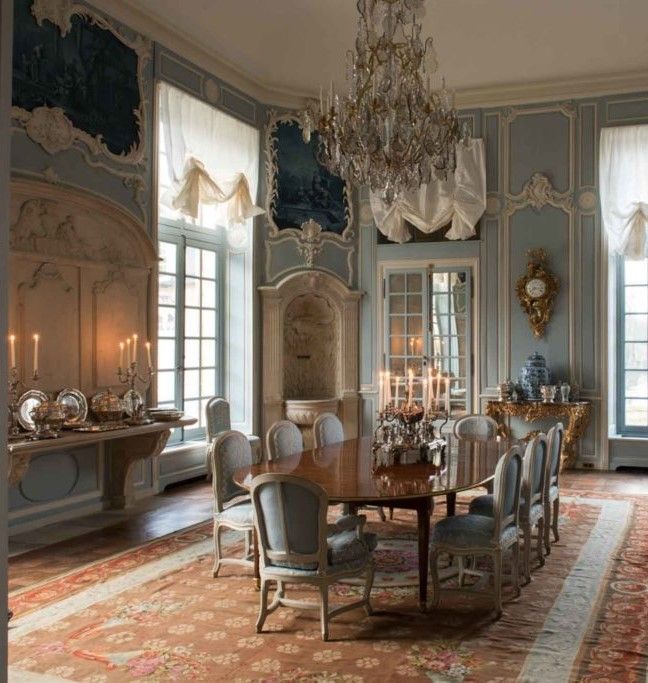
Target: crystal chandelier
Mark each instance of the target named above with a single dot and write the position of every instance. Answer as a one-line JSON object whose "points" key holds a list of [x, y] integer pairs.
{"points": [[393, 131]]}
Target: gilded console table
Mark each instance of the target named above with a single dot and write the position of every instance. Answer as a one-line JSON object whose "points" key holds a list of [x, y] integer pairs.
{"points": [[125, 448], [576, 413]]}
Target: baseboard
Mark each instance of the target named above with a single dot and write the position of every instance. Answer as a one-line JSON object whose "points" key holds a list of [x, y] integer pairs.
{"points": [[31, 519]]}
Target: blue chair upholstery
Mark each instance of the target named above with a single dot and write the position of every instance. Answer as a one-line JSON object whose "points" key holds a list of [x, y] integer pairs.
{"points": [[297, 545], [327, 429], [552, 500], [283, 439], [232, 506], [475, 427], [217, 420], [474, 535]]}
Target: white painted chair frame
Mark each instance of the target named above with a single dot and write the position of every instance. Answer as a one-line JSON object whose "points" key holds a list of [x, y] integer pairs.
{"points": [[470, 419], [497, 549], [534, 450], [220, 505], [552, 505], [323, 579]]}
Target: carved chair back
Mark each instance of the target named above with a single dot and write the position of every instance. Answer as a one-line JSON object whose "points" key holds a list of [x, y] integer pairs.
{"points": [[475, 426], [555, 439], [327, 429], [534, 475], [506, 498], [283, 439], [217, 414], [228, 452]]}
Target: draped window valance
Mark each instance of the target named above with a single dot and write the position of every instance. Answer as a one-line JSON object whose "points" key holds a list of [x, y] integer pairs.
{"points": [[460, 200], [623, 179], [212, 158]]}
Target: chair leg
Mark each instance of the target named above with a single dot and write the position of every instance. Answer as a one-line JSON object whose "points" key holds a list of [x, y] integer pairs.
{"points": [[281, 590], [526, 552], [367, 591], [381, 514], [434, 570], [540, 543], [324, 613], [515, 569], [547, 529], [263, 608], [554, 519], [391, 513], [497, 577], [248, 543], [217, 550]]}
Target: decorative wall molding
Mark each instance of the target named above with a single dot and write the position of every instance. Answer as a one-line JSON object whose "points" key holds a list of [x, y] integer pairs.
{"points": [[49, 127], [311, 237], [538, 192]]}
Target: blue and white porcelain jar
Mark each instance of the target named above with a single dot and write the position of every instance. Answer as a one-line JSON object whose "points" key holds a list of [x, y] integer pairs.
{"points": [[533, 375]]}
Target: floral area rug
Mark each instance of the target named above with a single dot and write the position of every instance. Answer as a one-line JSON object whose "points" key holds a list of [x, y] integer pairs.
{"points": [[156, 614]]}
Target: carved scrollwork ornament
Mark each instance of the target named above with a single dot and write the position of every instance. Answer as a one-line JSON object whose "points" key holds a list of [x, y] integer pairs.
{"points": [[536, 291]]}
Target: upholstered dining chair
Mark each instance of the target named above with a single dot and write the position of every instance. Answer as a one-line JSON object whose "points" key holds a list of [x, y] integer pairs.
{"points": [[232, 507], [283, 439], [532, 501], [475, 426], [327, 429], [552, 501], [217, 421], [476, 535], [297, 545]]}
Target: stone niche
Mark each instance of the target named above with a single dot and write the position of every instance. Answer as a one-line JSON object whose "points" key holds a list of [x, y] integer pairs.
{"points": [[310, 351]]}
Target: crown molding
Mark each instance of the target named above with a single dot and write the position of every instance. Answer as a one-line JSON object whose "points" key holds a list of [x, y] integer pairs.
{"points": [[494, 95]]}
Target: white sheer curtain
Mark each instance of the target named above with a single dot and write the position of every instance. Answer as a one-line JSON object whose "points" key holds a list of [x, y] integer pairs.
{"points": [[213, 158], [623, 180], [461, 199]]}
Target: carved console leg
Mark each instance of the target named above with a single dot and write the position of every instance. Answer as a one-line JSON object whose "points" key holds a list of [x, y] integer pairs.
{"points": [[495, 409], [123, 453], [18, 466], [578, 422]]}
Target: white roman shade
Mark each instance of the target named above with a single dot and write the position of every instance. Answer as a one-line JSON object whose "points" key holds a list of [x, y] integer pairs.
{"points": [[460, 200], [623, 179], [212, 158]]}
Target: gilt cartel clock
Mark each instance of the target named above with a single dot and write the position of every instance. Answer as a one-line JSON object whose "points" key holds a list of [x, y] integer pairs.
{"points": [[537, 290]]}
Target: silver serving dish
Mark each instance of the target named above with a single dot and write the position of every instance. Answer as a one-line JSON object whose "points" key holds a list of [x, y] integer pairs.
{"points": [[27, 403], [133, 402], [75, 406], [165, 414], [107, 407]]}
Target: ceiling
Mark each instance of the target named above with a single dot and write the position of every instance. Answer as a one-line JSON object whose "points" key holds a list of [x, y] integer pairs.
{"points": [[291, 46]]}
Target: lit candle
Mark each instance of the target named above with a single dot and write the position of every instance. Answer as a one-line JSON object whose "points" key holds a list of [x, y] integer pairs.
{"points": [[425, 393], [134, 360], [381, 391], [437, 396], [397, 380], [128, 351], [388, 397], [148, 354], [12, 349], [36, 338], [121, 355], [412, 342], [410, 386], [430, 384], [447, 396]]}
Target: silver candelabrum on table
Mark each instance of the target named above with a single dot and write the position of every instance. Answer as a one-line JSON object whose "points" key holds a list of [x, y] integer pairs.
{"points": [[133, 400], [16, 388], [409, 434]]}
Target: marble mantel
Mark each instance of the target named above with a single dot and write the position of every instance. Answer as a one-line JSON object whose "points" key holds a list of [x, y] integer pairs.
{"points": [[125, 447]]}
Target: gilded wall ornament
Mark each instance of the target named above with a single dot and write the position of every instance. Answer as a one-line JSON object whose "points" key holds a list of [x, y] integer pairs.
{"points": [[537, 290]]}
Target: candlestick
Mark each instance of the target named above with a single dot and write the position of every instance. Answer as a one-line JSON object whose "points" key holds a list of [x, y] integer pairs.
{"points": [[447, 396], [438, 389], [128, 351], [381, 391], [388, 394], [121, 354], [148, 354], [397, 380], [36, 339], [12, 349], [425, 393], [134, 359], [430, 384], [410, 386]]}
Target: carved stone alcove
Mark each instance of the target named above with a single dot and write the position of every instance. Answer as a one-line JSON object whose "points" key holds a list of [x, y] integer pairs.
{"points": [[310, 350], [81, 275]]}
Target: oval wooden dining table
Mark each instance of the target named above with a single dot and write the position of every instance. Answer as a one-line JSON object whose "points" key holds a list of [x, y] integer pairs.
{"points": [[346, 472]]}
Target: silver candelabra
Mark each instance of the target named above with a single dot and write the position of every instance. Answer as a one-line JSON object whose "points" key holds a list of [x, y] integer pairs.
{"points": [[16, 387]]}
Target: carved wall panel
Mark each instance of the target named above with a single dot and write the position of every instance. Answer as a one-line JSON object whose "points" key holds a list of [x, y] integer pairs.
{"points": [[81, 277]]}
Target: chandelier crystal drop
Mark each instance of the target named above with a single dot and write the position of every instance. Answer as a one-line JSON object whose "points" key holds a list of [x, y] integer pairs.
{"points": [[393, 131]]}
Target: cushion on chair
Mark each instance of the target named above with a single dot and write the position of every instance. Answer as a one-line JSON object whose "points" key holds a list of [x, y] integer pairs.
{"points": [[553, 492], [237, 514], [537, 511], [466, 531], [483, 505], [346, 547]]}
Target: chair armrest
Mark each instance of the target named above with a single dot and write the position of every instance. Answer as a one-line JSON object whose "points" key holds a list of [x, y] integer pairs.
{"points": [[347, 523]]}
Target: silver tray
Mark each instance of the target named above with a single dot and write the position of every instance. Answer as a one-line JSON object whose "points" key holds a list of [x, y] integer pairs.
{"points": [[75, 405], [28, 401], [133, 402]]}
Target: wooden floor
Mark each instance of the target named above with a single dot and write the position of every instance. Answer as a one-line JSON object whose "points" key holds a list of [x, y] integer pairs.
{"points": [[52, 550]]}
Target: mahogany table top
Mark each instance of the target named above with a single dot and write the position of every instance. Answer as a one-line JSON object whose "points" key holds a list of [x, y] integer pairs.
{"points": [[345, 470]]}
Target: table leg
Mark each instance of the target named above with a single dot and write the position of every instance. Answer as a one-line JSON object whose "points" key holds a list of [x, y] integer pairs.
{"points": [[255, 555], [451, 504], [423, 511]]}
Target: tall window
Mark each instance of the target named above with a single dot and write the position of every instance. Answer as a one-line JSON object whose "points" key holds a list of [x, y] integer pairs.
{"points": [[623, 173], [632, 347], [427, 325], [195, 252]]}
